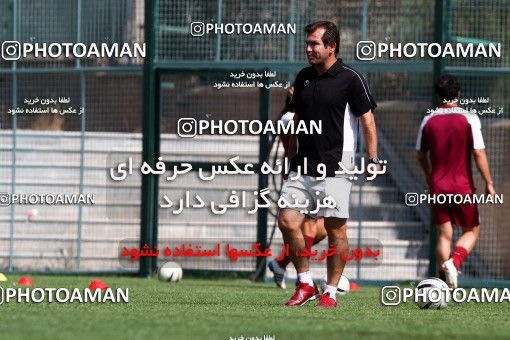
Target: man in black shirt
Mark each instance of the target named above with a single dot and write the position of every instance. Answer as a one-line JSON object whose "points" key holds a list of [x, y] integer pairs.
{"points": [[335, 94]]}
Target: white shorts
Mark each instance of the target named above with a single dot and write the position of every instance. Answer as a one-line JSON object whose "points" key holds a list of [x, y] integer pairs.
{"points": [[309, 188]]}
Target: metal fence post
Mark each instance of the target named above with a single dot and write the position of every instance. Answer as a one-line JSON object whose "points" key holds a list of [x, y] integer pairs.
{"points": [[218, 36], [14, 126], [364, 30], [265, 109], [82, 139], [439, 16], [150, 141]]}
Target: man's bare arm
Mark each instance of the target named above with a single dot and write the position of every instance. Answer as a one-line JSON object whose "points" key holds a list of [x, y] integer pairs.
{"points": [[482, 164], [369, 133], [424, 162]]}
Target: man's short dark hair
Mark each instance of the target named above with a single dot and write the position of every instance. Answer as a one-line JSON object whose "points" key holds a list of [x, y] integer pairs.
{"points": [[447, 87], [331, 34]]}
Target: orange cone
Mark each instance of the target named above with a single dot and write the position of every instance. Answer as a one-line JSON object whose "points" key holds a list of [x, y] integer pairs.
{"points": [[98, 284], [354, 286], [25, 281]]}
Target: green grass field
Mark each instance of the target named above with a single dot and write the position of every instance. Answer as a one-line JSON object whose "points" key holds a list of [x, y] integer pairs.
{"points": [[224, 308]]}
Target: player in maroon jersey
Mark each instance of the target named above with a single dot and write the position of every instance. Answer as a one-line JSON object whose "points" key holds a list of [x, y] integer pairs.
{"points": [[451, 136]]}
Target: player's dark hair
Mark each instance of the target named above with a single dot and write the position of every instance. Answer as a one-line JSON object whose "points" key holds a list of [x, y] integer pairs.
{"points": [[331, 34], [447, 87]]}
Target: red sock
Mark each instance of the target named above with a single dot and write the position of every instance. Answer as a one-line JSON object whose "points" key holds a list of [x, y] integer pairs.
{"points": [[284, 262], [309, 242], [442, 274], [459, 254]]}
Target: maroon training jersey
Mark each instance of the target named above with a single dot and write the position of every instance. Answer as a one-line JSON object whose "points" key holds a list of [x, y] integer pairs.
{"points": [[450, 134]]}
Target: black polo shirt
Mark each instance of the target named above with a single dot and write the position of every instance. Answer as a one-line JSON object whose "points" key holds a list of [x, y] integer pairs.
{"points": [[337, 98]]}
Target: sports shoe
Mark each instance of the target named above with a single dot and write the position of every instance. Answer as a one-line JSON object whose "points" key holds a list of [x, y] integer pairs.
{"points": [[451, 273], [326, 301], [304, 293], [278, 274]]}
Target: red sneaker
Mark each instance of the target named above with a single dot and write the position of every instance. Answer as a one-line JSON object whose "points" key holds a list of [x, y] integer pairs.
{"points": [[304, 293], [326, 301]]}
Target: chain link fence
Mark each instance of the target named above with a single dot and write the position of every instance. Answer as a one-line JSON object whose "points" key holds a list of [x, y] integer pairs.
{"points": [[73, 153], [94, 118]]}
